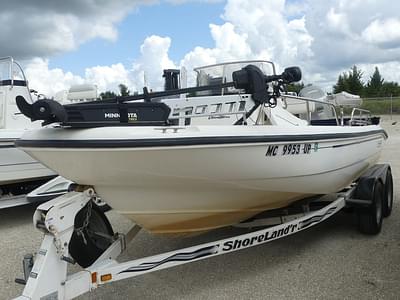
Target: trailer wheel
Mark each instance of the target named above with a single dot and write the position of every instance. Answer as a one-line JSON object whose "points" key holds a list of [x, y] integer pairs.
{"points": [[370, 218], [85, 250], [388, 198]]}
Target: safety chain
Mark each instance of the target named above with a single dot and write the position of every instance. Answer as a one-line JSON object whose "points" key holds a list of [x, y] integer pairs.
{"points": [[79, 231]]}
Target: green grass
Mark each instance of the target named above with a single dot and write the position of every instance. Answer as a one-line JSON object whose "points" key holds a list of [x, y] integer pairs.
{"points": [[381, 106]]}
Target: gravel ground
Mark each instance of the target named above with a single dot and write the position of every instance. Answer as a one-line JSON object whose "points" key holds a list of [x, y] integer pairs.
{"points": [[329, 261]]}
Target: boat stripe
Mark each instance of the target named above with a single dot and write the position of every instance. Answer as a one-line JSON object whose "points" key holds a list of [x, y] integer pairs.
{"points": [[349, 144], [191, 141], [6, 146], [354, 143]]}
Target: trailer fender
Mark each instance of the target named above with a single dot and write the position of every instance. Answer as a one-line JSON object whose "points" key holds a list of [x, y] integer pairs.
{"points": [[366, 184]]}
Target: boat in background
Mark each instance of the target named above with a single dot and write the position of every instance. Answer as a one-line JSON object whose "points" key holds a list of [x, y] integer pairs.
{"points": [[77, 93], [19, 172], [57, 187], [232, 149]]}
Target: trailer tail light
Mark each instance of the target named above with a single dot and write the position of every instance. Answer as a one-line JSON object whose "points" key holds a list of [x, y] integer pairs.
{"points": [[106, 277], [94, 277]]}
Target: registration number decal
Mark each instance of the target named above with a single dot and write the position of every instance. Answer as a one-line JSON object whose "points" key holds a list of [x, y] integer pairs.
{"points": [[291, 149]]}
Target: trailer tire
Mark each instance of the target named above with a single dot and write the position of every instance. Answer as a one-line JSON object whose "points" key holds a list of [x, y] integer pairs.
{"points": [[85, 254], [388, 196], [370, 218]]}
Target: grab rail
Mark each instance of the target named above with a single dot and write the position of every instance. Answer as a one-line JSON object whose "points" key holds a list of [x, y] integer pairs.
{"points": [[209, 115], [361, 120], [307, 100]]}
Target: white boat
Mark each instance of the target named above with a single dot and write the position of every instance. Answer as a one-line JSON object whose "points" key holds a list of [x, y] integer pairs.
{"points": [[232, 150], [19, 172]]}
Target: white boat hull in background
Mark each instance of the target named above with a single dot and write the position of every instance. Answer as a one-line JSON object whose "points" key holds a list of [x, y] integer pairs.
{"points": [[180, 189], [19, 172], [17, 166]]}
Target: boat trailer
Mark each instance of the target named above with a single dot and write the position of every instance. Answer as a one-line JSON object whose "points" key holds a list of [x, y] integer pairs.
{"points": [[46, 277]]}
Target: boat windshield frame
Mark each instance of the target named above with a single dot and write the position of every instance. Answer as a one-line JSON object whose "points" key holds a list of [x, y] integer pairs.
{"points": [[238, 62], [226, 76]]}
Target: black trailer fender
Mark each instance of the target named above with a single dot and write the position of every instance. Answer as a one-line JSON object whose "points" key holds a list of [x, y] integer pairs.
{"points": [[362, 196], [376, 171], [373, 198]]}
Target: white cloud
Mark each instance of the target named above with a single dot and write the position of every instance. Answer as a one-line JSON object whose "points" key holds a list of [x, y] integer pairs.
{"points": [[341, 34], [390, 71], [228, 43], [337, 23], [229, 46], [49, 81], [383, 32], [255, 30], [269, 30], [324, 38], [154, 58], [47, 27], [108, 77]]}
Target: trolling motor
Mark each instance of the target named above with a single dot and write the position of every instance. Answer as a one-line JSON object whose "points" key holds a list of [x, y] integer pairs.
{"points": [[253, 80], [123, 111]]}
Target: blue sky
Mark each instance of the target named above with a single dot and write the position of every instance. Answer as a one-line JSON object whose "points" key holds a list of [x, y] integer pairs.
{"points": [[186, 24]]}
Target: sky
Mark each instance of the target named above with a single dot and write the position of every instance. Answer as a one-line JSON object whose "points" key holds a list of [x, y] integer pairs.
{"points": [[62, 43]]}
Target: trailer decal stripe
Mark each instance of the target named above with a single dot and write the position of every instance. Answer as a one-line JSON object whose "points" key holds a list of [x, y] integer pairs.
{"points": [[317, 218], [176, 257], [199, 252]]}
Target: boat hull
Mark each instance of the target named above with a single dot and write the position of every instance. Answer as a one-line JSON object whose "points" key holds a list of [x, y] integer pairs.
{"points": [[180, 187], [17, 166]]}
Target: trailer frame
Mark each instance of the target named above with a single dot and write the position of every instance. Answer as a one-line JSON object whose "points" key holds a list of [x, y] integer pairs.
{"points": [[46, 278]]}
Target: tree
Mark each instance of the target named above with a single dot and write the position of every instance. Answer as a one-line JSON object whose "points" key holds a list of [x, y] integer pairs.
{"points": [[341, 84], [350, 82], [108, 95], [295, 87], [123, 90], [355, 83], [390, 89], [375, 84]]}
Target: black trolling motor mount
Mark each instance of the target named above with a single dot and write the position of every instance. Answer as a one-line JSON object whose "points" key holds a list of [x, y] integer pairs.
{"points": [[124, 111]]}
